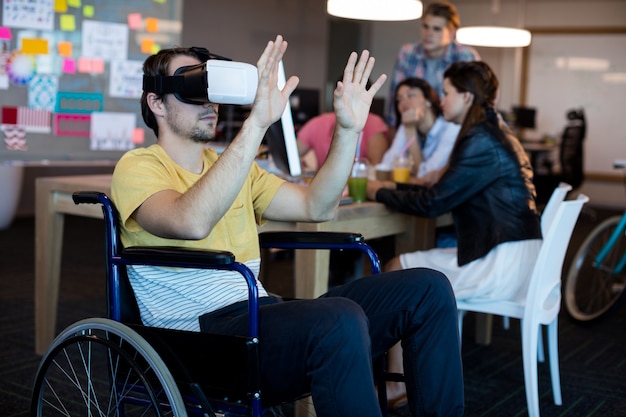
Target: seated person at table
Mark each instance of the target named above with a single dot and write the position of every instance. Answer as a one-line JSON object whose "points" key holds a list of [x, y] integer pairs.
{"points": [[179, 192], [487, 187], [317, 133], [422, 131]]}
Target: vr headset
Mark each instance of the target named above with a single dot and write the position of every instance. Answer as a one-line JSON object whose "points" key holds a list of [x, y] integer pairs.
{"points": [[218, 80]]}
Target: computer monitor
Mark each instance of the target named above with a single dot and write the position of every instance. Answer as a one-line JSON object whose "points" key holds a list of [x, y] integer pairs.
{"points": [[305, 104], [524, 117], [281, 138]]}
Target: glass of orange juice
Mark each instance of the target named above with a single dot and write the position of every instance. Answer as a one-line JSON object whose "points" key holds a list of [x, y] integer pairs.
{"points": [[357, 183], [401, 169]]}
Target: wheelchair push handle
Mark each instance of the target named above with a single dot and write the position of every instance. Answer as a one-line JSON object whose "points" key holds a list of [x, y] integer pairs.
{"points": [[86, 197]]}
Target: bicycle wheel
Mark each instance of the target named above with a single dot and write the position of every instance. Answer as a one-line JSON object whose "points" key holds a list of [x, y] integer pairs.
{"points": [[98, 367], [592, 290]]}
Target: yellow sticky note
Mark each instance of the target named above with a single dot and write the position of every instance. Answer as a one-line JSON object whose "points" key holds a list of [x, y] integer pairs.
{"points": [[74, 3], [88, 11], [35, 46], [146, 46], [152, 24], [160, 1], [67, 23], [60, 6], [156, 48], [65, 48]]}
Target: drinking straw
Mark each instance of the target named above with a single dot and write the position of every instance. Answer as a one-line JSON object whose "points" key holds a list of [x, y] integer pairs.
{"points": [[358, 146], [407, 144]]}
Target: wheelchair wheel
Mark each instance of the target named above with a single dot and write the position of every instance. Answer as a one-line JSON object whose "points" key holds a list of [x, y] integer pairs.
{"points": [[102, 367], [592, 290]]}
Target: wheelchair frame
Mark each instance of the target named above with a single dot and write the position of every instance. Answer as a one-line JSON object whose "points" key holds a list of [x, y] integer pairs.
{"points": [[157, 371]]}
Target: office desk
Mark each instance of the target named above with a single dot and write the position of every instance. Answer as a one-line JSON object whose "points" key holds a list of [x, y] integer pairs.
{"points": [[53, 200], [542, 155]]}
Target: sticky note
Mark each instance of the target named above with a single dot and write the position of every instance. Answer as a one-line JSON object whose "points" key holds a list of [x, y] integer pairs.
{"points": [[152, 24], [84, 65], [69, 66], [138, 137], [146, 46], [60, 6], [5, 32], [134, 21], [67, 22], [74, 3], [9, 115], [65, 48], [88, 10], [34, 46], [97, 66]]}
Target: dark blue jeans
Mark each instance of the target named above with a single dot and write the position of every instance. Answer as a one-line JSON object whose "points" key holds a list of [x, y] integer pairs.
{"points": [[325, 346]]}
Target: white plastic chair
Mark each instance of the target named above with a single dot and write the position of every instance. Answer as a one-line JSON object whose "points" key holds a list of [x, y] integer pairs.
{"points": [[549, 211], [547, 215], [542, 302]]}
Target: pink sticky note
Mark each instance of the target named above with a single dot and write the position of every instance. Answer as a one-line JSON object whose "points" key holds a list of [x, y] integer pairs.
{"points": [[138, 136], [134, 21], [69, 66], [97, 66], [5, 32], [84, 65]]}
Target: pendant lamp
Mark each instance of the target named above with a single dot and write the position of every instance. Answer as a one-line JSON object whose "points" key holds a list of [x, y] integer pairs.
{"points": [[387, 10], [496, 36]]}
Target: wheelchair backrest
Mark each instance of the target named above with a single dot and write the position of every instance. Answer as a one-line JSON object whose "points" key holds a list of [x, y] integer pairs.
{"points": [[121, 302]]}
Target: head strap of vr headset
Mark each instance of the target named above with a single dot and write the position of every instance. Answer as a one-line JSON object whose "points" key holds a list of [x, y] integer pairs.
{"points": [[173, 84]]}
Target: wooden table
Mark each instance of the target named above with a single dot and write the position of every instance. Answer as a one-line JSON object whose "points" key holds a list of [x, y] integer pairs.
{"points": [[53, 198]]}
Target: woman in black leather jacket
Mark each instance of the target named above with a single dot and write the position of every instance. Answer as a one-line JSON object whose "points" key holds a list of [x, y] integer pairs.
{"points": [[488, 188]]}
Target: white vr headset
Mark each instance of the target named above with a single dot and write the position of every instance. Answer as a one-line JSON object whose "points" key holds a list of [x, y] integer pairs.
{"points": [[218, 80]]}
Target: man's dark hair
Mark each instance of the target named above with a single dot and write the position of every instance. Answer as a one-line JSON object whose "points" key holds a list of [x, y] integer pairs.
{"points": [[158, 65]]}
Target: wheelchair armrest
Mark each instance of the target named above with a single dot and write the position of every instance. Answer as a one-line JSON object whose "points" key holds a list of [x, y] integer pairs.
{"points": [[177, 256], [308, 240], [320, 240]]}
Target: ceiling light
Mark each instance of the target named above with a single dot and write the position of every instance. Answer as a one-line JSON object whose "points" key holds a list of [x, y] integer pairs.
{"points": [[375, 9], [495, 36]]}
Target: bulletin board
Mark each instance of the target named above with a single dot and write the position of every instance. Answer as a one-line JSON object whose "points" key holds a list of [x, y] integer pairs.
{"points": [[71, 75], [573, 68]]}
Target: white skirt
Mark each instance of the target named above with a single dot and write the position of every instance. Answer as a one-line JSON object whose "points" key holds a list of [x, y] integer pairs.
{"points": [[502, 274]]}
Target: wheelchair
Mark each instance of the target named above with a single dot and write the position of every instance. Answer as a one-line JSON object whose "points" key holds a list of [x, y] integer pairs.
{"points": [[117, 366]]}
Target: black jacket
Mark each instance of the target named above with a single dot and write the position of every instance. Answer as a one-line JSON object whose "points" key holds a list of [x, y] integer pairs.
{"points": [[487, 187]]}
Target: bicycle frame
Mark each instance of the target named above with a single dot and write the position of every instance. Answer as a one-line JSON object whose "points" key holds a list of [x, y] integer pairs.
{"points": [[609, 245]]}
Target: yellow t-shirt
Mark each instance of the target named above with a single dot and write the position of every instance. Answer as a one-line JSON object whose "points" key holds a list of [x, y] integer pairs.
{"points": [[175, 298], [143, 172]]}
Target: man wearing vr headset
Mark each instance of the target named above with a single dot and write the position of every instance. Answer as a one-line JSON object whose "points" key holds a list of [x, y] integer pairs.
{"points": [[178, 192]]}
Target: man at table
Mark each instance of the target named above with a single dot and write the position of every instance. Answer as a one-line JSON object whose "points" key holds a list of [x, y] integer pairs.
{"points": [[178, 192]]}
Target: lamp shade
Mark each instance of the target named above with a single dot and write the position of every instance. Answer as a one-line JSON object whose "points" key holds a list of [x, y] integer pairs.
{"points": [[495, 36], [375, 9]]}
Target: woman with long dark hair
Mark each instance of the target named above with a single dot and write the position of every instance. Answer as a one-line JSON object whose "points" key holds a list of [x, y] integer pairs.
{"points": [[489, 191]]}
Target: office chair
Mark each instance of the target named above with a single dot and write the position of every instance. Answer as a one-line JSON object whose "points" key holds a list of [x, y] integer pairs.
{"points": [[541, 305], [571, 158], [116, 366]]}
